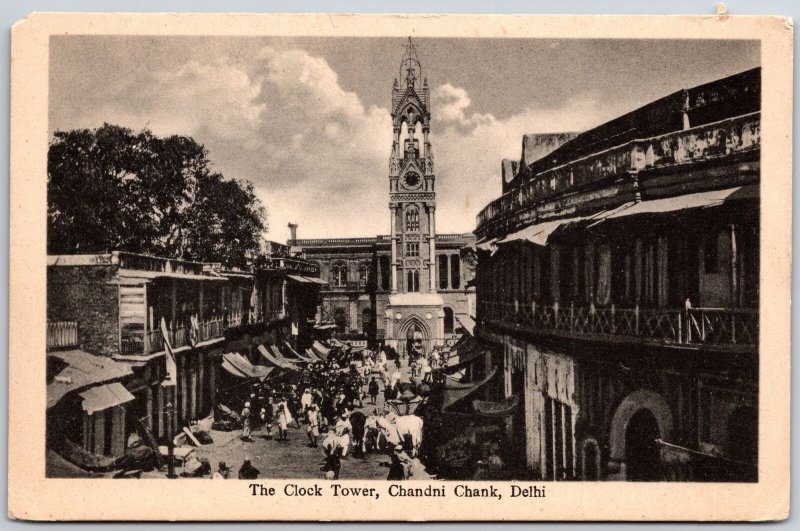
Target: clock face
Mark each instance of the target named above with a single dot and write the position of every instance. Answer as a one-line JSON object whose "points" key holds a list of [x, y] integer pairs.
{"points": [[411, 180]]}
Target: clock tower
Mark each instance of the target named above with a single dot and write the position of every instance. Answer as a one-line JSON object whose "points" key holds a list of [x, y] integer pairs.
{"points": [[412, 196], [415, 307]]}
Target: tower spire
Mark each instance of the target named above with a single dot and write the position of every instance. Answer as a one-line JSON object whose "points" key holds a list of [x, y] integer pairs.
{"points": [[410, 67]]}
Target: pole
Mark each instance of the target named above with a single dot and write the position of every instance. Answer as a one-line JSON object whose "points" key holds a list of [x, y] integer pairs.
{"points": [[170, 448]]}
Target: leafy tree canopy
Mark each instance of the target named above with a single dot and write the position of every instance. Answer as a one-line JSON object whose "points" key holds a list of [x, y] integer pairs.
{"points": [[113, 189]]}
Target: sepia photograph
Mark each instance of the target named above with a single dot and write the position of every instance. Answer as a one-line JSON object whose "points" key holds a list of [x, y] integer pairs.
{"points": [[436, 262]]}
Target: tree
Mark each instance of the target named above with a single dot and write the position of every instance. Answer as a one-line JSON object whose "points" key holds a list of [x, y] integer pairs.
{"points": [[111, 189]]}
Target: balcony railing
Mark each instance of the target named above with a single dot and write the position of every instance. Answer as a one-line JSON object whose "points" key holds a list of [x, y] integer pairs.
{"points": [[62, 334], [709, 141], [696, 326], [133, 341]]}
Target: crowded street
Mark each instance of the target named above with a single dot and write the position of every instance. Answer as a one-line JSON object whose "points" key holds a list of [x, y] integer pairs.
{"points": [[293, 458]]}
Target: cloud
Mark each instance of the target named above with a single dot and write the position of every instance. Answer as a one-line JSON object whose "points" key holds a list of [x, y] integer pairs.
{"points": [[316, 154], [468, 147]]}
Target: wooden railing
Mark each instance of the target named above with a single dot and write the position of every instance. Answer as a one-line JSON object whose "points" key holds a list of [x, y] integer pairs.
{"points": [[62, 334], [133, 341], [695, 326]]}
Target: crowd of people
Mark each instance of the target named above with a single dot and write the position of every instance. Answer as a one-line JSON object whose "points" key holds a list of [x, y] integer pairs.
{"points": [[321, 398]]}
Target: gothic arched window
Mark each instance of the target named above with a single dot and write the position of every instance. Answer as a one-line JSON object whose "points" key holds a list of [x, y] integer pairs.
{"points": [[412, 219], [339, 275]]}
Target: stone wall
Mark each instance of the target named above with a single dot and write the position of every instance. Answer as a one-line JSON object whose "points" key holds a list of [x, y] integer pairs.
{"points": [[84, 295]]}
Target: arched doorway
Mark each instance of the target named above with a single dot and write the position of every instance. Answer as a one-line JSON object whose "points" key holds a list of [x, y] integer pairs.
{"points": [[413, 336], [642, 455], [641, 418]]}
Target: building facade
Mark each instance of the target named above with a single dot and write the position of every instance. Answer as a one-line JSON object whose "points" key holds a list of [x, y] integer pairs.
{"points": [[110, 317], [410, 286], [618, 279]]}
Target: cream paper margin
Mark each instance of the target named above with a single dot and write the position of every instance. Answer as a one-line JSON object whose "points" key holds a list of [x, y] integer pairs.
{"points": [[31, 496]]}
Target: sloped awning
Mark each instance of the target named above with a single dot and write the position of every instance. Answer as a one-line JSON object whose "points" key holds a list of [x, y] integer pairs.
{"points": [[310, 353], [321, 350], [82, 370], [454, 393], [486, 245], [299, 356], [277, 360], [279, 355], [496, 409], [102, 397], [239, 366], [666, 205], [464, 351], [538, 233]]}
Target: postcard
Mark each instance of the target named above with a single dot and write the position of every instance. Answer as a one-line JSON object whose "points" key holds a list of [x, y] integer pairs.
{"points": [[400, 267]]}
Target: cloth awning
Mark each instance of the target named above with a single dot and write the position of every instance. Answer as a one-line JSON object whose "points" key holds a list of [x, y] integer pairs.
{"points": [[487, 245], [540, 232], [467, 323], [233, 370], [297, 355], [310, 353], [321, 350], [464, 351], [497, 409], [81, 370], [454, 393], [102, 397], [276, 359], [279, 355], [684, 202], [244, 367]]}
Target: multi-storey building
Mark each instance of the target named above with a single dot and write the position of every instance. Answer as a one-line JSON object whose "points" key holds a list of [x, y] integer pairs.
{"points": [[618, 278], [108, 318], [408, 287]]}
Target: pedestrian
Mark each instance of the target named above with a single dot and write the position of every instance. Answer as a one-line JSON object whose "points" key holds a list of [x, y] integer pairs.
{"points": [[224, 471], [395, 379], [313, 417], [333, 463], [397, 363], [284, 419], [400, 467], [246, 423], [248, 471], [343, 430], [373, 390], [306, 400]]}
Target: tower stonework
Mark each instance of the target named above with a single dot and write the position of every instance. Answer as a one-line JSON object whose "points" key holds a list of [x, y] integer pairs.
{"points": [[410, 286], [415, 307]]}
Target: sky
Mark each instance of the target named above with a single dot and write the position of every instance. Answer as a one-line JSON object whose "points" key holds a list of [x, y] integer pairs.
{"points": [[307, 119]]}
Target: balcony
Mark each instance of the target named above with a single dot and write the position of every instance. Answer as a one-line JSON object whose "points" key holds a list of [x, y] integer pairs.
{"points": [[139, 343], [715, 141], [62, 334], [693, 327], [297, 266]]}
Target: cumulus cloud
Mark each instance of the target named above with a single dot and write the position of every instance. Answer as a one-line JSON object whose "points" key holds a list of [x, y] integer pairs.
{"points": [[469, 147], [317, 155]]}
